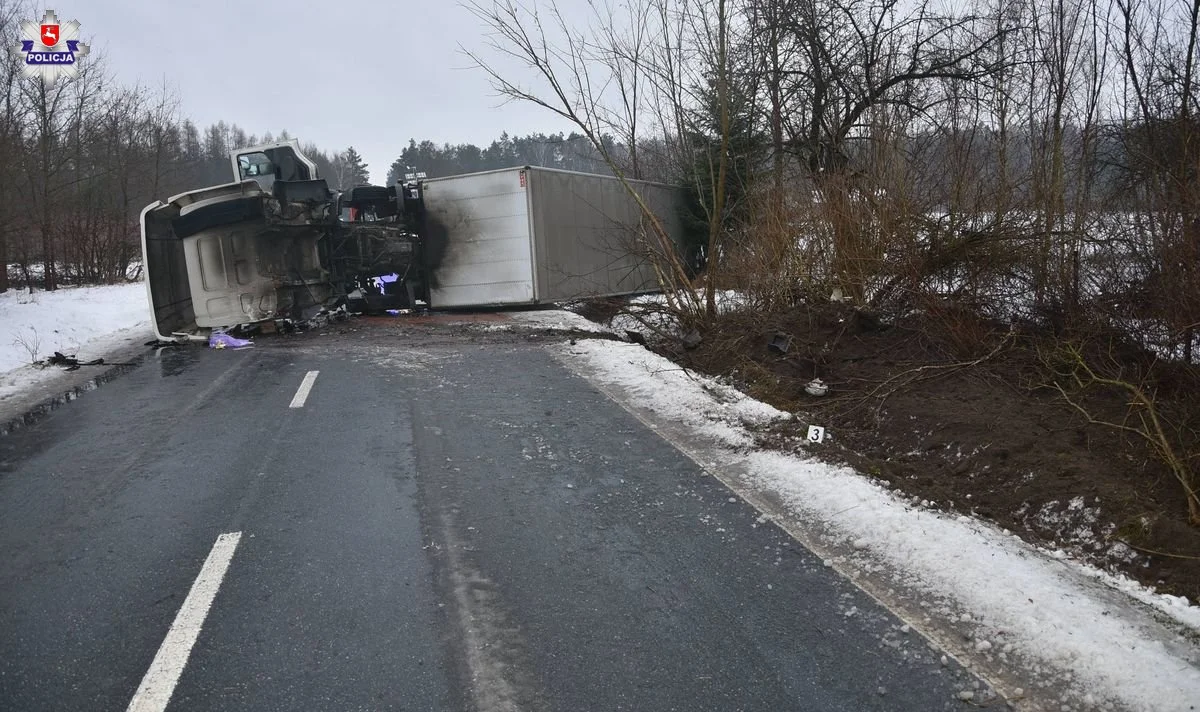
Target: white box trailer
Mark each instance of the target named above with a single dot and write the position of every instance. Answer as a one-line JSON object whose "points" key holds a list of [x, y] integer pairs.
{"points": [[527, 235]]}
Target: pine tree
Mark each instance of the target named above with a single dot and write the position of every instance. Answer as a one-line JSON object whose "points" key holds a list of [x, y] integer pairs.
{"points": [[746, 151], [356, 168]]}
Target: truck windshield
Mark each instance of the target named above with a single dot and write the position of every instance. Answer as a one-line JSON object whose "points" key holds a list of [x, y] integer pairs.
{"points": [[255, 165]]}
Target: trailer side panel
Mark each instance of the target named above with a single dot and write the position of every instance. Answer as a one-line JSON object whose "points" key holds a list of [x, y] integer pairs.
{"points": [[590, 235]]}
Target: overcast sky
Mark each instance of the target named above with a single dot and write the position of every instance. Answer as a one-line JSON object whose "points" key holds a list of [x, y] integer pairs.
{"points": [[371, 74]]}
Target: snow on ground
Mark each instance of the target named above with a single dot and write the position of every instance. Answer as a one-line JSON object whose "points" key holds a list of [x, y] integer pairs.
{"points": [[84, 321], [645, 312], [1100, 641], [556, 319]]}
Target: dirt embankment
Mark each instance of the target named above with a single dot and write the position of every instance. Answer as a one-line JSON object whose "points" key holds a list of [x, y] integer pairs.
{"points": [[964, 413]]}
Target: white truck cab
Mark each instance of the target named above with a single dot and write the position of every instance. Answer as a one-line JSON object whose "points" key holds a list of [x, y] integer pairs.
{"points": [[268, 162]]}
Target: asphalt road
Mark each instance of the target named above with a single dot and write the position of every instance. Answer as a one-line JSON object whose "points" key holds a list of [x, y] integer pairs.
{"points": [[449, 523]]}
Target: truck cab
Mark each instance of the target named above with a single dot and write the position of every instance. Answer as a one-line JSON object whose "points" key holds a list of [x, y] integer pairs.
{"points": [[275, 243], [266, 163]]}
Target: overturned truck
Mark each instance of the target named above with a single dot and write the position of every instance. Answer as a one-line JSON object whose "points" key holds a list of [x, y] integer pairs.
{"points": [[278, 244]]}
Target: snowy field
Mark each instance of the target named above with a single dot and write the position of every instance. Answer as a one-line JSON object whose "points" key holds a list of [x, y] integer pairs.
{"points": [[1083, 638], [89, 322]]}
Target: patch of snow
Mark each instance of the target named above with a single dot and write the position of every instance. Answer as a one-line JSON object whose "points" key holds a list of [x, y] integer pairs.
{"points": [[715, 409], [645, 312], [644, 317], [726, 299], [1050, 613], [1075, 524], [556, 319], [83, 321]]}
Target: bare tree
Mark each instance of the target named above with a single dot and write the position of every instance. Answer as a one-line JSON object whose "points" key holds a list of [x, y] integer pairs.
{"points": [[56, 109], [573, 81], [11, 128], [1161, 141], [844, 80], [622, 40]]}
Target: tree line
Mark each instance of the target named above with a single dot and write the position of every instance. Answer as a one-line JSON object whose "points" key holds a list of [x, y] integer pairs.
{"points": [[572, 152], [79, 160], [1033, 159], [1037, 159]]}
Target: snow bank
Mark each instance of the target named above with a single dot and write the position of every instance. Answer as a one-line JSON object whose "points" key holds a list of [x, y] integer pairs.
{"points": [[555, 319], [1039, 617], [87, 321]]}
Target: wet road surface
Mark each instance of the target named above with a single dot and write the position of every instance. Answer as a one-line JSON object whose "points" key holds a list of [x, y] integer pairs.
{"points": [[447, 521]]}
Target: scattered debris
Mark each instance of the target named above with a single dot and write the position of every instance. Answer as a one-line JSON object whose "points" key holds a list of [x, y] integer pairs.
{"points": [[157, 344], [692, 339], [70, 363], [781, 343], [816, 387], [222, 340], [325, 316]]}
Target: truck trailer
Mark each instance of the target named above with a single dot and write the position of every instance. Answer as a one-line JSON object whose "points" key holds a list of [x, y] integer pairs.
{"points": [[531, 235], [277, 244]]}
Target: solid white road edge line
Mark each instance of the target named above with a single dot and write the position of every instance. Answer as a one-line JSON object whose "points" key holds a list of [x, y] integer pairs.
{"points": [[160, 680], [305, 386]]}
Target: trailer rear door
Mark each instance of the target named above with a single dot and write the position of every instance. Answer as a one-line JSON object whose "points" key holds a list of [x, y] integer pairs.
{"points": [[478, 240]]}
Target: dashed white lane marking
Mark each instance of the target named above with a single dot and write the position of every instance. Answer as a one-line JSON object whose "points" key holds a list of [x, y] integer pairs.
{"points": [[160, 680], [305, 386]]}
